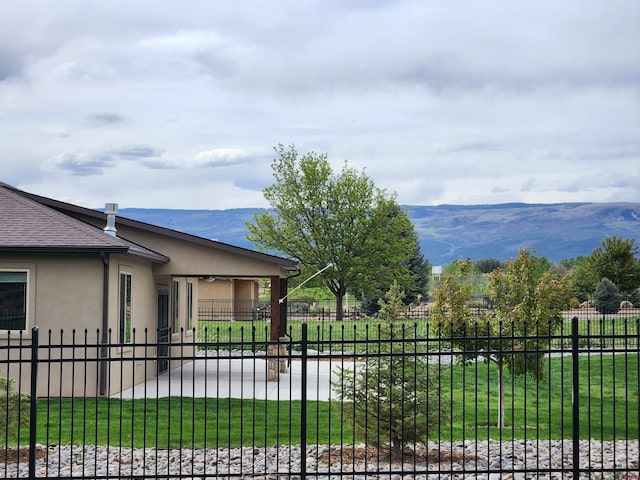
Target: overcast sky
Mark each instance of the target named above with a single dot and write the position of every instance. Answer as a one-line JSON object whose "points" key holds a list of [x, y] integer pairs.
{"points": [[179, 104]]}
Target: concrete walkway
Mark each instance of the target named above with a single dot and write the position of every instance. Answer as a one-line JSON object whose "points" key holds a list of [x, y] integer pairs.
{"points": [[240, 378]]}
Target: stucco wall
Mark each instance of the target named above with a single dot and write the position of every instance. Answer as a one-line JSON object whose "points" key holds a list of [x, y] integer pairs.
{"points": [[143, 296], [125, 371], [218, 289], [246, 289], [65, 300], [229, 298], [188, 258], [65, 291]]}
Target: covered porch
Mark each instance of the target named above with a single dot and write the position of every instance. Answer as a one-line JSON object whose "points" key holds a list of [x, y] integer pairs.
{"points": [[226, 298]]}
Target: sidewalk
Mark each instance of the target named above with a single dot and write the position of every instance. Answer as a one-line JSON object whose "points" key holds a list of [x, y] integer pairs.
{"points": [[239, 378]]}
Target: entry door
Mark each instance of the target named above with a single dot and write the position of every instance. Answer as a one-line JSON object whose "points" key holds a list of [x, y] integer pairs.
{"points": [[163, 331]]}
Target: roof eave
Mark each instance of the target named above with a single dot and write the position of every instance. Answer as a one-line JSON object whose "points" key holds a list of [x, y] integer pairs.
{"points": [[61, 249], [152, 257], [285, 263]]}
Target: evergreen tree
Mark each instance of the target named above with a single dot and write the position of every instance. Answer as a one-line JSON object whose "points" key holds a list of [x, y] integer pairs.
{"points": [[395, 392], [607, 297]]}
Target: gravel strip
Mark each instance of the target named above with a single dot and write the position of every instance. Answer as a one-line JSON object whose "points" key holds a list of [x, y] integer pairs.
{"points": [[483, 458]]}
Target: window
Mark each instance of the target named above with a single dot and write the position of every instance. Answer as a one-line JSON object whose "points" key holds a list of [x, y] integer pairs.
{"points": [[189, 325], [13, 300], [125, 308], [175, 307]]}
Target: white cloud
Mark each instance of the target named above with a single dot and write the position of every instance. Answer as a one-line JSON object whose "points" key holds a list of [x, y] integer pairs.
{"points": [[222, 156], [182, 42], [80, 163], [493, 102]]}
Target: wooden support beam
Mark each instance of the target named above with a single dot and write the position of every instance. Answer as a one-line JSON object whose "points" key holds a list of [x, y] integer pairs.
{"points": [[278, 326], [276, 295], [282, 324]]}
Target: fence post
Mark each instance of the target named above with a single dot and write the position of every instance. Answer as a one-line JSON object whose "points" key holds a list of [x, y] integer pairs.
{"points": [[303, 406], [575, 397], [33, 410]]}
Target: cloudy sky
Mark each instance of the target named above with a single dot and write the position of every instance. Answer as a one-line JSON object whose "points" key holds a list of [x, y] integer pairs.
{"points": [[179, 104]]}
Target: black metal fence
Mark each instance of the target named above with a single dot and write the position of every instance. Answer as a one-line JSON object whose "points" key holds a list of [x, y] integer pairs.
{"points": [[301, 310], [347, 400], [307, 310], [251, 310]]}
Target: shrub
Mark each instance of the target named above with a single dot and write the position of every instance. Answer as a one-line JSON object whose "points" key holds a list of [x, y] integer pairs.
{"points": [[14, 408], [370, 305], [633, 297], [574, 303], [607, 297]]}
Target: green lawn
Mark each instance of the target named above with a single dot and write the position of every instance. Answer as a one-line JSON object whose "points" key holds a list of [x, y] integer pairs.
{"points": [[608, 400], [606, 332], [594, 333], [320, 333], [175, 422], [608, 409]]}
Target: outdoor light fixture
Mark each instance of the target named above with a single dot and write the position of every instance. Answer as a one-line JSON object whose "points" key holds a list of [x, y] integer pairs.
{"points": [[315, 274], [209, 279]]}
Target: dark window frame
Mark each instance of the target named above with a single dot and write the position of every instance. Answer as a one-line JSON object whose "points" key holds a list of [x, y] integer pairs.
{"points": [[175, 306], [189, 319], [14, 295], [125, 321]]}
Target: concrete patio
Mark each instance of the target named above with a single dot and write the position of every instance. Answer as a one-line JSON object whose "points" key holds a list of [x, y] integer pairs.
{"points": [[240, 378]]}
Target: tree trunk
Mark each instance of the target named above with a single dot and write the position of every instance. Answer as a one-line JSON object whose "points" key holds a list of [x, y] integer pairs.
{"points": [[500, 393], [339, 289], [339, 297]]}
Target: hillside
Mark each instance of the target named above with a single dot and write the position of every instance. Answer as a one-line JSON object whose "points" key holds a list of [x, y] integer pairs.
{"points": [[448, 232]]}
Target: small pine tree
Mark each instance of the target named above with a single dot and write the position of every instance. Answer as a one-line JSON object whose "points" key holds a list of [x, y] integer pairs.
{"points": [[395, 393], [607, 297]]}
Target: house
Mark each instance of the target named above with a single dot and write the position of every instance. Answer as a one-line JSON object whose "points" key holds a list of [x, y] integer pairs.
{"points": [[96, 278]]}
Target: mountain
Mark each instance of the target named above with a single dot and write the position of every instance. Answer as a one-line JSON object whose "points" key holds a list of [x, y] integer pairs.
{"points": [[449, 232]]}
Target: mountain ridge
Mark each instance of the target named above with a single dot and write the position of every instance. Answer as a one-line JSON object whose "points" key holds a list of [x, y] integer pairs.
{"points": [[448, 232]]}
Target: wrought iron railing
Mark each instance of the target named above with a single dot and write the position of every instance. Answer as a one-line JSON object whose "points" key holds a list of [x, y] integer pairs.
{"points": [[329, 401]]}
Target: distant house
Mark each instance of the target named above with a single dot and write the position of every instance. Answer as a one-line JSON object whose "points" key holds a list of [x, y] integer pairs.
{"points": [[65, 267]]}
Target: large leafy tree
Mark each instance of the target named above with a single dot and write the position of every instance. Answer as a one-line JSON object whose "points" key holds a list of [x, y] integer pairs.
{"points": [[319, 218], [488, 265], [617, 260], [528, 309], [582, 281]]}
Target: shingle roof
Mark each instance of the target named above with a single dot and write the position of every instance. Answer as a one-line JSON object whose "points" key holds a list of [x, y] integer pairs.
{"points": [[26, 225], [77, 211]]}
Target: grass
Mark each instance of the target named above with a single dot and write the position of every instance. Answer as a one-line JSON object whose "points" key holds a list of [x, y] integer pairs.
{"points": [[320, 333], [175, 422], [594, 333], [606, 332], [608, 400], [608, 409]]}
